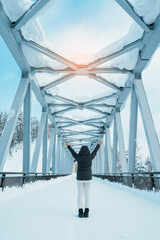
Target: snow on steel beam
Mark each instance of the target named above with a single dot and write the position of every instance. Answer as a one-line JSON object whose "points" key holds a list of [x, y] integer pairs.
{"points": [[58, 81], [129, 9], [104, 81], [95, 119], [8, 36], [97, 111], [49, 53], [67, 119], [136, 44], [60, 105], [32, 12], [110, 71], [101, 99], [65, 100], [64, 110], [50, 70]]}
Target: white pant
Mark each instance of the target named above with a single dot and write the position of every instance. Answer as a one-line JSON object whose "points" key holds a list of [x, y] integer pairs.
{"points": [[83, 193]]}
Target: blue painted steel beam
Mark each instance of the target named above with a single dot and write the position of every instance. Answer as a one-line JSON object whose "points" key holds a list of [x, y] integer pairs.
{"points": [[132, 131], [121, 143], [49, 53], [38, 142], [136, 44], [54, 153], [50, 151], [114, 164], [44, 150], [58, 81], [104, 81], [110, 71], [109, 150], [27, 130]]}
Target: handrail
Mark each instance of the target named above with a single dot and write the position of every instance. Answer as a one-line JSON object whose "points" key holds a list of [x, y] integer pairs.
{"points": [[140, 180], [24, 177]]}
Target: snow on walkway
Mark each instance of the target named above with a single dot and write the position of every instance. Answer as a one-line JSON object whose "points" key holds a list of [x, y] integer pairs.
{"points": [[47, 210]]}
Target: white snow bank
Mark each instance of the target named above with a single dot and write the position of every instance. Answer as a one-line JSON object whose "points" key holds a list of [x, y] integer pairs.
{"points": [[127, 60], [15, 8], [49, 210]]}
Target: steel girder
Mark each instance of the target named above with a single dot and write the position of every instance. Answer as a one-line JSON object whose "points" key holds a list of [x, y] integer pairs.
{"points": [[147, 45]]}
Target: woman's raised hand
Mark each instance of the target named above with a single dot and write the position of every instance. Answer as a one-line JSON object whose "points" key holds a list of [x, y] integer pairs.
{"points": [[100, 143], [67, 144]]}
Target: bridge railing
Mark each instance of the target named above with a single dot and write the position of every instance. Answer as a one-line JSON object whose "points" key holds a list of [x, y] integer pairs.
{"points": [[141, 180], [18, 179]]}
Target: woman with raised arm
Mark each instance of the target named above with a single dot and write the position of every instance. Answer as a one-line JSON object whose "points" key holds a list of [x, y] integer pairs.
{"points": [[84, 175]]}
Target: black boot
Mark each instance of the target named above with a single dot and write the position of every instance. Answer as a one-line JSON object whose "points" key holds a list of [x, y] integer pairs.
{"points": [[80, 213], [86, 213]]}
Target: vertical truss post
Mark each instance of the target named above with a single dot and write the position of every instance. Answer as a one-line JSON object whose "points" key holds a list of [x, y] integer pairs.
{"points": [[44, 153], [10, 125], [109, 150], [100, 160], [148, 123], [54, 154], [132, 131], [50, 151], [27, 129], [60, 158], [121, 142], [58, 153], [97, 163], [106, 154], [114, 165], [38, 142]]}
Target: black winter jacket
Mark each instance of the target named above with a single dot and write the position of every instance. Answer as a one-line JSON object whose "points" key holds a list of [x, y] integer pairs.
{"points": [[84, 159]]}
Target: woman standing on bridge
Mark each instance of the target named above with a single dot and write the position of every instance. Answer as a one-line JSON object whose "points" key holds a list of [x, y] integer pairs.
{"points": [[84, 175]]}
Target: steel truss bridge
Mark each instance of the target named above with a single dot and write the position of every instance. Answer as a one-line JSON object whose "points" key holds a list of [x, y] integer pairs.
{"points": [[58, 156]]}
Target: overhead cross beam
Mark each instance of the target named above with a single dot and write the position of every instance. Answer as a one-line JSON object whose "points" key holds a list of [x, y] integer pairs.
{"points": [[136, 44], [49, 53], [104, 81], [58, 81]]}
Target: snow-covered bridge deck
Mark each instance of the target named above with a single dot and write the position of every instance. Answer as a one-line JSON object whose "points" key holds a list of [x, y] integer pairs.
{"points": [[48, 210]]}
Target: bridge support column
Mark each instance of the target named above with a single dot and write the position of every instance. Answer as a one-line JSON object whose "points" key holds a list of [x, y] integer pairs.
{"points": [[100, 161], [58, 154], [10, 125], [44, 150], [54, 154], [38, 142], [114, 164], [109, 151], [121, 142], [106, 154], [27, 129], [50, 151], [148, 123], [132, 131]]}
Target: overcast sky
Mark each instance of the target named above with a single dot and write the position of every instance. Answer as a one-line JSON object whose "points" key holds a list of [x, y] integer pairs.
{"points": [[78, 29]]}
